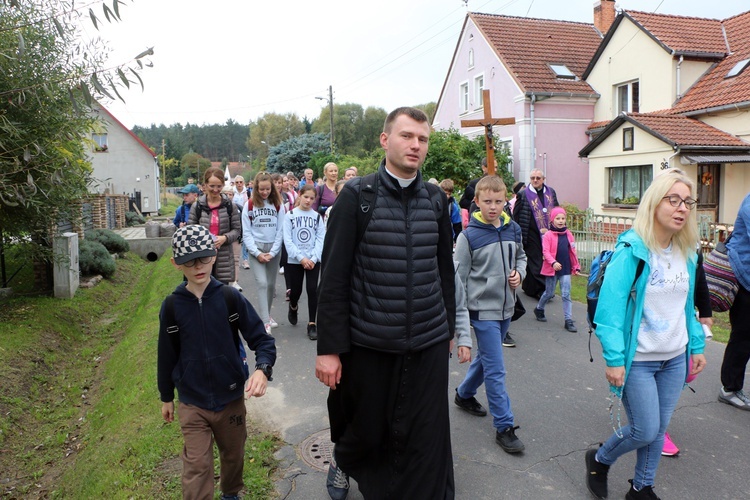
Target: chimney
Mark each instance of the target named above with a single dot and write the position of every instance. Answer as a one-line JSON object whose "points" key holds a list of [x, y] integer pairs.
{"points": [[604, 15]]}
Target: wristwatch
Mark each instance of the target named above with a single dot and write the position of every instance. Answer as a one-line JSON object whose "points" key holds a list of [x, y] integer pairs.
{"points": [[266, 369]]}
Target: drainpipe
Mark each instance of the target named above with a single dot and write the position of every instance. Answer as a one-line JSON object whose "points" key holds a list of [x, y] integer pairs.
{"points": [[533, 135], [679, 63], [666, 164]]}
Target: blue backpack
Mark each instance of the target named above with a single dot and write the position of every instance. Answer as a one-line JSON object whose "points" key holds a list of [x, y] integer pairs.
{"points": [[455, 212], [594, 285]]}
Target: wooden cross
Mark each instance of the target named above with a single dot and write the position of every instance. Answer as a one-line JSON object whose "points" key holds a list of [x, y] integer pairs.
{"points": [[488, 122]]}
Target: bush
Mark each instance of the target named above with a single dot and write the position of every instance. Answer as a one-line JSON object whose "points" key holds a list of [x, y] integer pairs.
{"points": [[93, 258], [112, 241], [133, 219]]}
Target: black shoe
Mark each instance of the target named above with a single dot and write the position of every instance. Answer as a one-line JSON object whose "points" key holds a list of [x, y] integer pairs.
{"points": [[508, 441], [539, 314], [337, 482], [508, 340], [312, 331], [646, 493], [596, 475], [470, 405], [292, 316], [570, 326]]}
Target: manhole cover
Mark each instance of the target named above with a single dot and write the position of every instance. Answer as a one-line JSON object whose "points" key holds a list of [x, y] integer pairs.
{"points": [[317, 450]]}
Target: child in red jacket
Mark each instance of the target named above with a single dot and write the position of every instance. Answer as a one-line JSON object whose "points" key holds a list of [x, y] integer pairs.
{"points": [[560, 261]]}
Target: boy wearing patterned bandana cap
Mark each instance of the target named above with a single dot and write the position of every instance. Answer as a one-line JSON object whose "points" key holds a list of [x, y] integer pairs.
{"points": [[200, 359]]}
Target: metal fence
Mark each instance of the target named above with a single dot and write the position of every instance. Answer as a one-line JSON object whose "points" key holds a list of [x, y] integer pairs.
{"points": [[595, 232]]}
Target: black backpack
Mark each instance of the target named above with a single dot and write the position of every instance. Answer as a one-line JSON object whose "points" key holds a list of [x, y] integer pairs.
{"points": [[234, 322], [368, 193]]}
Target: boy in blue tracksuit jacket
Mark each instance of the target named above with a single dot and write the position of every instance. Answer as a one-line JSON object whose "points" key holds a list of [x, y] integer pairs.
{"points": [[200, 358], [492, 264]]}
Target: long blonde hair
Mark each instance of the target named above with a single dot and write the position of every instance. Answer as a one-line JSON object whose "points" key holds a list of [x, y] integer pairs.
{"points": [[686, 239]]}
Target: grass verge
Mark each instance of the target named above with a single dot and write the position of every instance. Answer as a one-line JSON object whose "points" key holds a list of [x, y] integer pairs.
{"points": [[82, 411]]}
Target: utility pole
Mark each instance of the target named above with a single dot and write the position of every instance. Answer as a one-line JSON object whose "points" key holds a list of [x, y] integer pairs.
{"points": [[330, 106], [163, 172]]}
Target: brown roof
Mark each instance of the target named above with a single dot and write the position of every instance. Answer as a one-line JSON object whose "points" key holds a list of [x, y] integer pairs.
{"points": [[683, 35], [527, 46], [675, 130], [714, 90]]}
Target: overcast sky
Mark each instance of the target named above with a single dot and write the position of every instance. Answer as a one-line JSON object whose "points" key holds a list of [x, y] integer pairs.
{"points": [[237, 59]]}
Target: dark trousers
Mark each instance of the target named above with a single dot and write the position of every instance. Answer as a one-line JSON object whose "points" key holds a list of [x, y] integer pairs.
{"points": [[389, 420], [534, 284], [737, 352], [295, 273], [199, 428]]}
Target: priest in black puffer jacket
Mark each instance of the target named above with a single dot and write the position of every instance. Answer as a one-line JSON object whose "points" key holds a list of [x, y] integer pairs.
{"points": [[386, 315]]}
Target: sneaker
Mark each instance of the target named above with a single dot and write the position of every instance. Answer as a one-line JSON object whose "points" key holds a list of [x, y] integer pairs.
{"points": [[288, 294], [539, 314], [312, 331], [645, 493], [272, 322], [596, 475], [245, 264], [508, 441], [669, 449], [281, 270], [508, 340], [470, 405], [292, 316], [236, 285], [736, 399], [337, 482], [230, 497], [570, 326], [268, 328]]}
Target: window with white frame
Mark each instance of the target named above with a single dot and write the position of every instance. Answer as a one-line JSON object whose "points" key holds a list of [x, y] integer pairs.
{"points": [[627, 184], [471, 58], [463, 97], [627, 98], [478, 94], [100, 142]]}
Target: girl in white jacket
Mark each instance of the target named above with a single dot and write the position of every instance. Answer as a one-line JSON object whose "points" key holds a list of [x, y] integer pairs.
{"points": [[304, 233], [262, 219]]}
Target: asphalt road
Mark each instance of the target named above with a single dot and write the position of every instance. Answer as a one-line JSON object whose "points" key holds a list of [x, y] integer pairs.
{"points": [[559, 399]]}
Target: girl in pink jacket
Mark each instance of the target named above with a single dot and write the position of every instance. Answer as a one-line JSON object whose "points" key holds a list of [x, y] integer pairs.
{"points": [[560, 261]]}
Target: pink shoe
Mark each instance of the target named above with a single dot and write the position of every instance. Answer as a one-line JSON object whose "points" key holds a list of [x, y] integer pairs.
{"points": [[669, 449]]}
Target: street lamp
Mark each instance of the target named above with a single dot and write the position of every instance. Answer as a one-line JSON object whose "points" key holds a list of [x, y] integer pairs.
{"points": [[330, 107]]}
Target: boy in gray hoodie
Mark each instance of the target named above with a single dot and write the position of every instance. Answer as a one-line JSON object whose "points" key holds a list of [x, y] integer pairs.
{"points": [[492, 264]]}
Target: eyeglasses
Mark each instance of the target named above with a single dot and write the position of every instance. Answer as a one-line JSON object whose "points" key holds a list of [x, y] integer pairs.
{"points": [[536, 178], [204, 260], [675, 201]]}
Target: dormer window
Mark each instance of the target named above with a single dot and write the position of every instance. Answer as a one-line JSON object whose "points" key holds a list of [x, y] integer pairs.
{"points": [[562, 71], [738, 68]]}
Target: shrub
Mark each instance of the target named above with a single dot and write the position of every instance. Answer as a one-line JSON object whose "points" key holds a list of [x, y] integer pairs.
{"points": [[133, 219], [93, 258], [112, 241]]}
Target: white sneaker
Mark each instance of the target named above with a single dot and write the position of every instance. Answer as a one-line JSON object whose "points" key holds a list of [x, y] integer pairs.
{"points": [[272, 322], [236, 285], [281, 270], [268, 328], [245, 264], [736, 399]]}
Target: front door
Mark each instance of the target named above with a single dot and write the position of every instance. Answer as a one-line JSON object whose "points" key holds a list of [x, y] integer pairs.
{"points": [[708, 190]]}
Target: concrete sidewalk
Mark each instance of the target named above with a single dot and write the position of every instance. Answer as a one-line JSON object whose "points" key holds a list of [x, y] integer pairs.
{"points": [[560, 402]]}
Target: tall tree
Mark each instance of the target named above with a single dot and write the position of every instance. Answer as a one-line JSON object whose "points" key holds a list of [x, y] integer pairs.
{"points": [[48, 81], [270, 130], [295, 153]]}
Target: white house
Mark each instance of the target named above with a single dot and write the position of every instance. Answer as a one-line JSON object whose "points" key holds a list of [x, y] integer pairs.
{"points": [[123, 164]]}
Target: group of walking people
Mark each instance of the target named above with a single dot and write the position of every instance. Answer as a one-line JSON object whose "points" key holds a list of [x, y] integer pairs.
{"points": [[393, 296]]}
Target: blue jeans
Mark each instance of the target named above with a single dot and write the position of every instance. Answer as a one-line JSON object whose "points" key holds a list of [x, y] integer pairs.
{"points": [[549, 292], [488, 367], [245, 253], [651, 392]]}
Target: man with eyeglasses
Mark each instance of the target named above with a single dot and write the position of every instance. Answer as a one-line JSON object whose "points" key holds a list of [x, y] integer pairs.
{"points": [[531, 212]]}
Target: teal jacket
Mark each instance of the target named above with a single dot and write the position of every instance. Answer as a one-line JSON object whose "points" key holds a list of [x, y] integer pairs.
{"points": [[618, 338]]}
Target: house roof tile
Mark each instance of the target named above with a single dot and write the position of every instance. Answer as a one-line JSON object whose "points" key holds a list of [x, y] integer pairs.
{"points": [[681, 34], [527, 46], [714, 90]]}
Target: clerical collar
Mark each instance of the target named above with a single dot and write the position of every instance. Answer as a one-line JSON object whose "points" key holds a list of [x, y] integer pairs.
{"points": [[404, 183]]}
